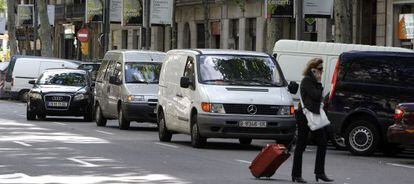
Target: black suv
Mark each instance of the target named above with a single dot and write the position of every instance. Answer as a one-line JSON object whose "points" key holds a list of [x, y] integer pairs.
{"points": [[61, 92], [366, 87]]}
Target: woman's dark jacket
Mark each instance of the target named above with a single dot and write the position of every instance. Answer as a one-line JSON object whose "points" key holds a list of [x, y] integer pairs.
{"points": [[311, 93]]}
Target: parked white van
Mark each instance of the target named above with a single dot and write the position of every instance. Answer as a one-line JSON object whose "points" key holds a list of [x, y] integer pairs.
{"points": [[126, 87], [22, 69], [210, 93], [292, 55]]}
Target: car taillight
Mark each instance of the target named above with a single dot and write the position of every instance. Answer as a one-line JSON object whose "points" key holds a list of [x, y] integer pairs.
{"points": [[398, 115], [334, 79]]}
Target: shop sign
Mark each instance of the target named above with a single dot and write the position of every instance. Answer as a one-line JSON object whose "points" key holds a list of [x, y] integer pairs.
{"points": [[116, 11], [83, 35], [25, 15], [2, 25], [310, 25], [279, 8], [132, 13], [69, 31], [318, 8], [94, 11], [406, 26], [161, 12]]}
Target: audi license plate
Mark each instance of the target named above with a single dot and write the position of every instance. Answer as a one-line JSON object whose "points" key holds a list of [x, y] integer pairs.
{"points": [[57, 104], [255, 124]]}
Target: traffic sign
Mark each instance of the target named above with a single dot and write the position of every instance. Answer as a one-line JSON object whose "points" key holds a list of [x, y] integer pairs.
{"points": [[83, 35]]}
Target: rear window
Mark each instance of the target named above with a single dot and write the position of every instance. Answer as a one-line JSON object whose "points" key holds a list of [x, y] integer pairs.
{"points": [[373, 70], [405, 71]]}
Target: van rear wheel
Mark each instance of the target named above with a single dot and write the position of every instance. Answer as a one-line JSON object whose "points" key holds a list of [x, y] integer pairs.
{"points": [[362, 137], [196, 139]]}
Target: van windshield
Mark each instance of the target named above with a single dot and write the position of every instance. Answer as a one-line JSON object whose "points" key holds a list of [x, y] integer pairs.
{"points": [[138, 72], [62, 78], [239, 70]]}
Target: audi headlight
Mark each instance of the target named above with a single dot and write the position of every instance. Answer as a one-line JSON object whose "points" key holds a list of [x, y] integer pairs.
{"points": [[36, 96], [80, 97], [136, 98], [286, 110], [213, 108]]}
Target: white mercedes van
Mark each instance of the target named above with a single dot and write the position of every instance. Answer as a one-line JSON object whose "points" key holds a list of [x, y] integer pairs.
{"points": [[212, 93]]}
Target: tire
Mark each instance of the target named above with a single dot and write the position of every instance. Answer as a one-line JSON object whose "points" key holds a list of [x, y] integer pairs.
{"points": [[245, 141], [29, 114], [163, 133], [362, 137], [99, 118], [122, 121], [197, 141]]}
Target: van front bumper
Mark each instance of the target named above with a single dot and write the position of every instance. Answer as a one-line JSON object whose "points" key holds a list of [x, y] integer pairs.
{"points": [[227, 126], [140, 112]]}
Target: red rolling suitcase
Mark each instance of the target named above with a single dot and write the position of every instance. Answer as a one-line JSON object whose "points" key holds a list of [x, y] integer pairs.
{"points": [[269, 160]]}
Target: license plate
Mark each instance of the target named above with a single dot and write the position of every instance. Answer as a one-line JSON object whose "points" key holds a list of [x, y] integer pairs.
{"points": [[57, 104], [256, 124]]}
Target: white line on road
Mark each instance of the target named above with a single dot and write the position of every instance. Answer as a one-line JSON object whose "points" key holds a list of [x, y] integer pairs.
{"points": [[85, 164], [109, 133], [162, 144], [59, 123], [22, 143], [244, 161], [401, 165]]}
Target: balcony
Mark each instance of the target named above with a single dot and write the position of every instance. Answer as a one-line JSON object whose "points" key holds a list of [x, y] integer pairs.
{"points": [[75, 11]]}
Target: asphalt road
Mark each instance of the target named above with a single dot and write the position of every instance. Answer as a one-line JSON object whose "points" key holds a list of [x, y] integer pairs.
{"points": [[67, 150]]}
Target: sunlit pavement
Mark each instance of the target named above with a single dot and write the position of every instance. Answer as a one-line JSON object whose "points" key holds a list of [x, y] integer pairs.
{"points": [[67, 150]]}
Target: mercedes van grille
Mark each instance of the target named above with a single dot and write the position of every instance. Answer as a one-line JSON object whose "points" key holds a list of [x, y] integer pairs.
{"points": [[244, 109]]}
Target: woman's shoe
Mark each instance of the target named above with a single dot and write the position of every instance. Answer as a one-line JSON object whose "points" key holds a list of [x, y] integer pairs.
{"points": [[298, 180], [323, 177]]}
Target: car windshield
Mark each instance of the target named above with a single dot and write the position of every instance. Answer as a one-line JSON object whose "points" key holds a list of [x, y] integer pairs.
{"points": [[138, 72], [62, 78], [239, 70]]}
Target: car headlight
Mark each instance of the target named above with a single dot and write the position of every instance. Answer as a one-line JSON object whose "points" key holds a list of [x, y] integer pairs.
{"points": [[286, 110], [136, 98], [36, 96], [80, 97], [213, 108]]}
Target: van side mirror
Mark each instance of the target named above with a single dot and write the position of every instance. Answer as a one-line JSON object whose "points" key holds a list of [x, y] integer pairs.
{"points": [[293, 87], [114, 80], [185, 82], [32, 82]]}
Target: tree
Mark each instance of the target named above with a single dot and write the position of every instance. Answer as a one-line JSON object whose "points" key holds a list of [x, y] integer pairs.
{"points": [[343, 21], [45, 29], [2, 6], [11, 25], [274, 33]]}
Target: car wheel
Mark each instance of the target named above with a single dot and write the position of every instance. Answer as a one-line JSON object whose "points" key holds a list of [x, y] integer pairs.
{"points": [[122, 121], [99, 118], [29, 114], [245, 141], [197, 141], [163, 133], [362, 137]]}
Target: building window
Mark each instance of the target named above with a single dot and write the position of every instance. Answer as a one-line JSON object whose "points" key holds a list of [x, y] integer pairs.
{"points": [[124, 39], [201, 37], [215, 34], [251, 34]]}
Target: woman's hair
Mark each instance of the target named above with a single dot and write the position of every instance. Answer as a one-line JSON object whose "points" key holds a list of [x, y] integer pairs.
{"points": [[313, 63]]}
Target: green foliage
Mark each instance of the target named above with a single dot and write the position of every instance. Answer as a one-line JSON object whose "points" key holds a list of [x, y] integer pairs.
{"points": [[3, 6], [241, 4]]}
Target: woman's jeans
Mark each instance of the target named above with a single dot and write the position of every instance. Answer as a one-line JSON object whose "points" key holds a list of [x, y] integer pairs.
{"points": [[320, 140]]}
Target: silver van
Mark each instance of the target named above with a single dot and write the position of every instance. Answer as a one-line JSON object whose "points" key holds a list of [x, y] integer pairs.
{"points": [[126, 87]]}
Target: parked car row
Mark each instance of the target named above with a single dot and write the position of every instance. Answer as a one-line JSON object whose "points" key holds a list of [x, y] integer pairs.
{"points": [[211, 93]]}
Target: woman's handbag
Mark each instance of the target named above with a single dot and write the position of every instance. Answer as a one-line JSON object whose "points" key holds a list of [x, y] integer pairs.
{"points": [[315, 121]]}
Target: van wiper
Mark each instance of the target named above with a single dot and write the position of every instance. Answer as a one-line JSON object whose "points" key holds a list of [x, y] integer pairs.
{"points": [[138, 82], [260, 81], [222, 80]]}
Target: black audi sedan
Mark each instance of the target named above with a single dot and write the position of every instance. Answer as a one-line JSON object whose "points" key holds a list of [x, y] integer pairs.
{"points": [[61, 92]]}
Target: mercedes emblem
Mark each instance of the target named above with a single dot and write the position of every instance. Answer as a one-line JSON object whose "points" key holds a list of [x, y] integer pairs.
{"points": [[252, 109]]}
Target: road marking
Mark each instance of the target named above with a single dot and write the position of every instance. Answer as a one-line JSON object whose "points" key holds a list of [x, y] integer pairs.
{"points": [[401, 165], [22, 143], [59, 123], [85, 164], [109, 133], [162, 144], [244, 161]]}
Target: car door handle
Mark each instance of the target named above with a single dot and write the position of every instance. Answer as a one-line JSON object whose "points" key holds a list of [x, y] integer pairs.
{"points": [[179, 95]]}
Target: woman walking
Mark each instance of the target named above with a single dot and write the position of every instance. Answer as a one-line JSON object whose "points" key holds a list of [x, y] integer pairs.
{"points": [[311, 94]]}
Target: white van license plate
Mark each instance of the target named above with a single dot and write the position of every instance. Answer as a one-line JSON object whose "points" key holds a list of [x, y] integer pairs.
{"points": [[256, 124], [57, 104]]}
